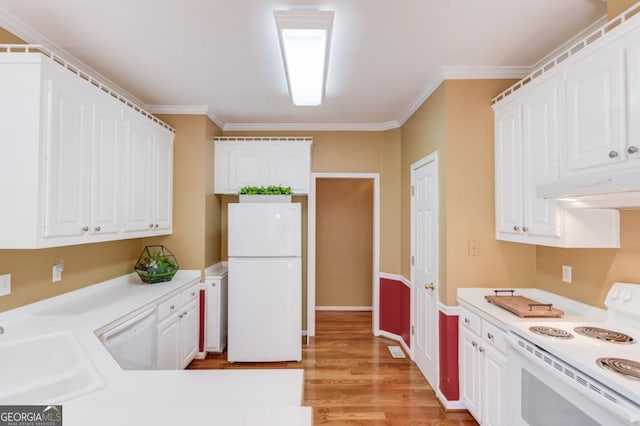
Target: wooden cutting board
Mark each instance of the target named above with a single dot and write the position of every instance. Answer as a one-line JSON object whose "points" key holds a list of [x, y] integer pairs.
{"points": [[520, 306]]}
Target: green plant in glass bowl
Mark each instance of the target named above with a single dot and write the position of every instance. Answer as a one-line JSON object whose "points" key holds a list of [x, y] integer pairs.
{"points": [[156, 264]]}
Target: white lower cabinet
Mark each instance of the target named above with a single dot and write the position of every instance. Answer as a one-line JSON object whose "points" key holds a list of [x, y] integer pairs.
{"points": [[178, 330], [483, 368], [215, 314]]}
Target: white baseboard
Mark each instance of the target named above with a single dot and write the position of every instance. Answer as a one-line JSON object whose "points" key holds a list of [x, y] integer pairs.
{"points": [[344, 308], [397, 339], [449, 405], [201, 355]]}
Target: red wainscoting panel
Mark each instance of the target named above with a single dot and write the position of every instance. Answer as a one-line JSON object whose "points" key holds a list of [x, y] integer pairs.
{"points": [[448, 325], [395, 308], [202, 308]]}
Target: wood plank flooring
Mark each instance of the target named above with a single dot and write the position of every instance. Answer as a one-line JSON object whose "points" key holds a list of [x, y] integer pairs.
{"points": [[351, 378]]}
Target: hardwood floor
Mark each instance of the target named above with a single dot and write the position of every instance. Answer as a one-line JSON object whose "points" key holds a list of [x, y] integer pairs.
{"points": [[351, 378]]}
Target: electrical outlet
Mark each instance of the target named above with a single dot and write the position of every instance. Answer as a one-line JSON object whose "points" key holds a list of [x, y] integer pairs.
{"points": [[566, 274], [474, 248], [56, 271], [5, 284]]}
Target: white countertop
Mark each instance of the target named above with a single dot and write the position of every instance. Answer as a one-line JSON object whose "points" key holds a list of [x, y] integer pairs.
{"points": [[230, 397], [473, 299]]}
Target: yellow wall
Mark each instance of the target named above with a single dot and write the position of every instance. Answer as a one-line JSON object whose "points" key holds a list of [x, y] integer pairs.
{"points": [[9, 38], [616, 7], [593, 270], [344, 242], [457, 121]]}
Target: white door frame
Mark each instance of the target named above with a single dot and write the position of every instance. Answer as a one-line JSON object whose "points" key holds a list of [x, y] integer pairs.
{"points": [[433, 157], [311, 247]]}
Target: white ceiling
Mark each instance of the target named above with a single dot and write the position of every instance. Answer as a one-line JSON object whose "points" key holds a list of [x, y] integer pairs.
{"points": [[222, 56]]}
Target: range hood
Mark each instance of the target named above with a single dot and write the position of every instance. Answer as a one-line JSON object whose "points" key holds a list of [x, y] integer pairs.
{"points": [[618, 190]]}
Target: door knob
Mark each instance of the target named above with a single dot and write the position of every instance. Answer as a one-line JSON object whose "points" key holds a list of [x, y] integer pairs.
{"points": [[429, 286], [613, 154], [632, 149]]}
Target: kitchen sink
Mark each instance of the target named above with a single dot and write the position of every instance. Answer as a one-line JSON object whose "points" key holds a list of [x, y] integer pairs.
{"points": [[49, 368]]}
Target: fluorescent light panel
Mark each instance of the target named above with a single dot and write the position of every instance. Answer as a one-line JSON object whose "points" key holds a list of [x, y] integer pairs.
{"points": [[304, 40]]}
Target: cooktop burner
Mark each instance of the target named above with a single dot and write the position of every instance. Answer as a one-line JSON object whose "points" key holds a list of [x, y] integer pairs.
{"points": [[604, 334], [551, 332], [625, 367]]}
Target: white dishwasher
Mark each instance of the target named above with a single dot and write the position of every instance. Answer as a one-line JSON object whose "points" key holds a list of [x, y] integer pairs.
{"points": [[133, 343]]}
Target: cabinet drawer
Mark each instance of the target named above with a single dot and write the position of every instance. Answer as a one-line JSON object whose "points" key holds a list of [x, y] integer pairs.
{"points": [[470, 320], [189, 294], [170, 306], [494, 336]]}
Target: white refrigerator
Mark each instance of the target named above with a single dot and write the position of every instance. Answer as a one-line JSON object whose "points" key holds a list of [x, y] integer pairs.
{"points": [[265, 282]]}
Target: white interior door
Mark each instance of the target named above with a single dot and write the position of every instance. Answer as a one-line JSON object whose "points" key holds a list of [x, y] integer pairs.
{"points": [[425, 266]]}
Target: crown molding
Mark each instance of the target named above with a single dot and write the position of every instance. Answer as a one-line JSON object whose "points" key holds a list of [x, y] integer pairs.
{"points": [[13, 25], [484, 73], [345, 127], [187, 110], [423, 95], [460, 73]]}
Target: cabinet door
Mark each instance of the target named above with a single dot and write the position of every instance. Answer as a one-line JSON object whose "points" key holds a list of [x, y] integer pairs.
{"points": [[289, 165], [508, 167], [470, 371], [140, 140], [633, 98], [163, 182], [169, 343], [247, 166], [188, 334], [108, 144], [66, 202], [540, 120], [595, 110], [494, 381]]}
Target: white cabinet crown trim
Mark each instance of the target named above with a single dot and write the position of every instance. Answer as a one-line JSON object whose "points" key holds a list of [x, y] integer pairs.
{"points": [[577, 48], [20, 49]]}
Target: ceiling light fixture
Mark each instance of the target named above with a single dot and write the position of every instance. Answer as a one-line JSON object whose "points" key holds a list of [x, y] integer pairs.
{"points": [[305, 37]]}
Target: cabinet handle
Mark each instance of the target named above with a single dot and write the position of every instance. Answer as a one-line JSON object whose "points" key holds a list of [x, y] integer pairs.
{"points": [[155, 226], [150, 225], [213, 284], [85, 228], [193, 293], [184, 314], [525, 228], [172, 307], [516, 228], [632, 149], [481, 349], [474, 344], [490, 336], [613, 154], [97, 229], [466, 320], [180, 316]]}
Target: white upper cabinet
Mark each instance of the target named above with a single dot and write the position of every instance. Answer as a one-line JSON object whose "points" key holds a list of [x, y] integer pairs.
{"points": [[262, 162], [84, 167], [527, 134], [595, 110]]}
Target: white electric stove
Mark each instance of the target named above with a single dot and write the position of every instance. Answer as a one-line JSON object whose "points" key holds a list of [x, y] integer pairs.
{"points": [[578, 373]]}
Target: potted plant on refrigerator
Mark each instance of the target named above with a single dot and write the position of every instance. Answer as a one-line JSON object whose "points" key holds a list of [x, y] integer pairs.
{"points": [[265, 194]]}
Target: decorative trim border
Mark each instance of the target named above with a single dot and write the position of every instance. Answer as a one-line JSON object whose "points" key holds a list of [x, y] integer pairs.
{"points": [[484, 73], [398, 339], [396, 277], [450, 311], [344, 308]]}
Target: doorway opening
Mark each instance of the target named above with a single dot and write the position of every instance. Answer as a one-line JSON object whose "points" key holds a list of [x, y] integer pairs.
{"points": [[343, 244]]}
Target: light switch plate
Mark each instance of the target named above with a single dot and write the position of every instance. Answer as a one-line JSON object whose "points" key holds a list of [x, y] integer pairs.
{"points": [[5, 284], [566, 274]]}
